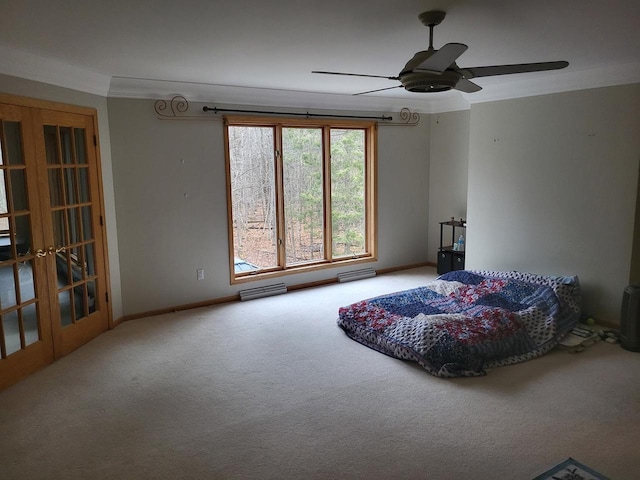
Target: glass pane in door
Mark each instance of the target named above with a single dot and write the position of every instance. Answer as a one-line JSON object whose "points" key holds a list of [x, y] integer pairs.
{"points": [[11, 328], [18, 192], [66, 314], [55, 187], [8, 286], [13, 143], [26, 281], [30, 321]]}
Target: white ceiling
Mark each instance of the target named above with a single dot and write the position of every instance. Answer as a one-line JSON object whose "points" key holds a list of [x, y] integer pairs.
{"points": [[262, 52]]}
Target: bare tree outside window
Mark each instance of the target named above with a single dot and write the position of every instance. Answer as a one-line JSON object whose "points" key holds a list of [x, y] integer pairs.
{"points": [[303, 213], [251, 152]]}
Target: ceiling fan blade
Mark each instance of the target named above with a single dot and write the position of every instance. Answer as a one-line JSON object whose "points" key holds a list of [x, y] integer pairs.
{"points": [[355, 75], [442, 59], [466, 86], [378, 90], [510, 69]]}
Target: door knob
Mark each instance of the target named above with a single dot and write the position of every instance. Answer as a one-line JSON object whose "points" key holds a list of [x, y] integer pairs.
{"points": [[50, 251]]}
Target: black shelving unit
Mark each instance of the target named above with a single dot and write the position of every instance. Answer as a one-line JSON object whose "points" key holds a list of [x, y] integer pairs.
{"points": [[448, 258]]}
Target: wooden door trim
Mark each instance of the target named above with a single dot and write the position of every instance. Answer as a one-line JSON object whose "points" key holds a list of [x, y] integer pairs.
{"points": [[45, 104], [103, 223]]}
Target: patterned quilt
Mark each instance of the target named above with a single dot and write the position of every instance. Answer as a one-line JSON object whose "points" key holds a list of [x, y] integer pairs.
{"points": [[468, 321]]}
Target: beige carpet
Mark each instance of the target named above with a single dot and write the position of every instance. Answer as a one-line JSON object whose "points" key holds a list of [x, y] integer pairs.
{"points": [[273, 389]]}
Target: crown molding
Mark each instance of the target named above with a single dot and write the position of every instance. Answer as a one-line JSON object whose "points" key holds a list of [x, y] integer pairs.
{"points": [[122, 87], [499, 88], [45, 70]]}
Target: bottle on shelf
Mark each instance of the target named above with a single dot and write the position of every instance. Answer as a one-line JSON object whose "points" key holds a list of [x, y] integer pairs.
{"points": [[460, 244]]}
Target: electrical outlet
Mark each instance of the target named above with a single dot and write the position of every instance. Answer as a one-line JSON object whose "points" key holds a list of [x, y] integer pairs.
{"points": [[200, 273]]}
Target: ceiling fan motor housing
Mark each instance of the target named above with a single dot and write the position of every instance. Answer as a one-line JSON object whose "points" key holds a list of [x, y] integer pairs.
{"points": [[420, 82]]}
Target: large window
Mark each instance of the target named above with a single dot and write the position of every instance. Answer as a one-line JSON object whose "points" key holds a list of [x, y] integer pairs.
{"points": [[301, 194]]}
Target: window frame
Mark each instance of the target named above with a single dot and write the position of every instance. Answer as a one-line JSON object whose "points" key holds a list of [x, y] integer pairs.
{"points": [[370, 129]]}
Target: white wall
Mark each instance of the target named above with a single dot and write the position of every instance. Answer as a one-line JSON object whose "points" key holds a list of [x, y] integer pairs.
{"points": [[28, 88], [449, 164], [552, 188], [403, 194], [170, 192]]}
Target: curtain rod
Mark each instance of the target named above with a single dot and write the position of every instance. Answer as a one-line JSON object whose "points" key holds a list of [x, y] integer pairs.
{"points": [[307, 114]]}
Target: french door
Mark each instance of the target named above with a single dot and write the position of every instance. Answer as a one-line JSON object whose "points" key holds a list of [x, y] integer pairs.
{"points": [[53, 279]]}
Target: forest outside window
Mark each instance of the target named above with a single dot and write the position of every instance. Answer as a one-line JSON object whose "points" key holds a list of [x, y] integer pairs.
{"points": [[301, 194]]}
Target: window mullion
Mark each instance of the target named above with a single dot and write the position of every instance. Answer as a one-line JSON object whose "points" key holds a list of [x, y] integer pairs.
{"points": [[326, 192], [371, 192], [280, 224]]}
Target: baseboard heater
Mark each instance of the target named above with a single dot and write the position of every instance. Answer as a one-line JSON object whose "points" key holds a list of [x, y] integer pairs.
{"points": [[259, 292], [356, 275]]}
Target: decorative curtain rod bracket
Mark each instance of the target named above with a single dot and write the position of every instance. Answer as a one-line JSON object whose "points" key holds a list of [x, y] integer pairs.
{"points": [[178, 106], [176, 109], [407, 119]]}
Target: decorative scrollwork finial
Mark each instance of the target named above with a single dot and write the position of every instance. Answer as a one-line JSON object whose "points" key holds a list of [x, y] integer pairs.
{"points": [[178, 105], [409, 117]]}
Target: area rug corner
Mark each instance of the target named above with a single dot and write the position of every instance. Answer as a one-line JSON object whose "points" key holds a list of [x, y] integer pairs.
{"points": [[571, 469]]}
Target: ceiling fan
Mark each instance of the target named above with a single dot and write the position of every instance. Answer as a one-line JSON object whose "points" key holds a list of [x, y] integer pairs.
{"points": [[434, 70]]}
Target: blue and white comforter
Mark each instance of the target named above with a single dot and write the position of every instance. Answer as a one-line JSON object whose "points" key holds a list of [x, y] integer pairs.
{"points": [[467, 321]]}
